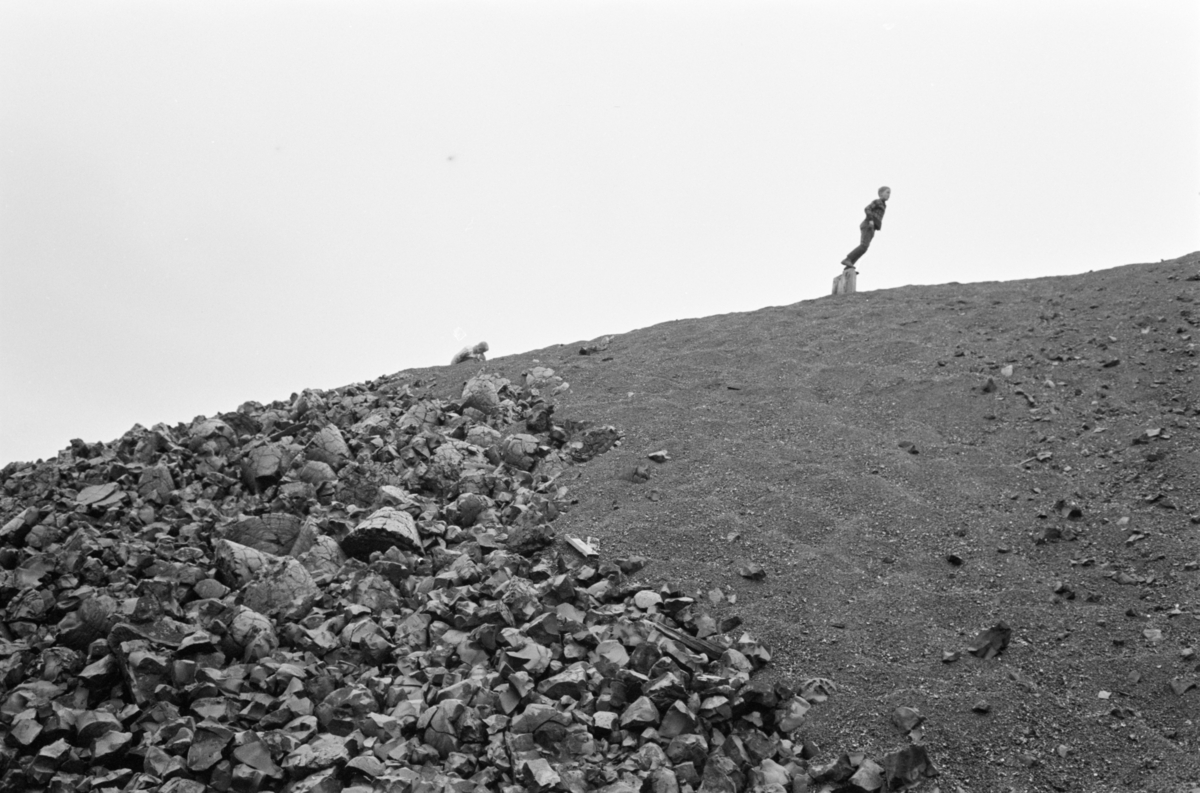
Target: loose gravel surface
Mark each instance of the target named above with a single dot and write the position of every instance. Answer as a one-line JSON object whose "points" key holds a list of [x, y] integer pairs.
{"points": [[960, 516], [911, 467]]}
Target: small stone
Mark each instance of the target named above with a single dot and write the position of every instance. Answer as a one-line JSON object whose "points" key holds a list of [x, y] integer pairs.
{"points": [[539, 775], [907, 718], [646, 599], [605, 720], [869, 776], [642, 713], [754, 572], [210, 589], [992, 641], [111, 745], [206, 748], [679, 720]]}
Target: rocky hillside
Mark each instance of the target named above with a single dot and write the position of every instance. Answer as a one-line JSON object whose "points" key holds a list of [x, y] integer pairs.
{"points": [[928, 538]]}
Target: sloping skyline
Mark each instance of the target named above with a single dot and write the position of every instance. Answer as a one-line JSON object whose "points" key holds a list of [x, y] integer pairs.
{"points": [[208, 203]]}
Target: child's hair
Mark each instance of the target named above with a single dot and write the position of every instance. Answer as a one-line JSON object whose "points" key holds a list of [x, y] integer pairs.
{"points": [[885, 187]]}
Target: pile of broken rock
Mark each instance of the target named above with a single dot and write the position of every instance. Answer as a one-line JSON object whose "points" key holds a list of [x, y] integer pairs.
{"points": [[360, 590]]}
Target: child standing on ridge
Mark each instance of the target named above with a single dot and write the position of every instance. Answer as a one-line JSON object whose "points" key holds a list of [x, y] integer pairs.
{"points": [[872, 223]]}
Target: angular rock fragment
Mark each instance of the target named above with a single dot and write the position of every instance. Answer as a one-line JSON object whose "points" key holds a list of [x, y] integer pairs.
{"points": [[528, 540], [347, 709], [907, 766], [991, 642], [156, 483], [597, 346], [100, 497], [440, 726], [641, 713], [209, 437], [264, 465], [721, 775], [679, 720], [869, 776], [273, 533], [593, 442], [324, 558], [322, 752], [253, 633], [753, 571], [907, 718], [383, 529], [208, 746], [283, 587], [482, 393], [316, 473], [328, 446], [520, 451], [237, 563], [359, 589]]}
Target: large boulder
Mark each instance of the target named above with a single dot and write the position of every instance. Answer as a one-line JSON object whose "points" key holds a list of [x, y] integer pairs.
{"points": [[274, 533], [211, 436], [328, 446], [156, 483], [237, 564], [283, 587], [384, 528], [482, 392], [263, 465], [324, 558], [252, 633], [316, 473]]}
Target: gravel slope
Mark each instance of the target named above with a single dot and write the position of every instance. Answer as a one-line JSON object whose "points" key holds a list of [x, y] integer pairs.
{"points": [[850, 445]]}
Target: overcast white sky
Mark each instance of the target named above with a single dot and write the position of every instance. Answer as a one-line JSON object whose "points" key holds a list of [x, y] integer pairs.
{"points": [[203, 203]]}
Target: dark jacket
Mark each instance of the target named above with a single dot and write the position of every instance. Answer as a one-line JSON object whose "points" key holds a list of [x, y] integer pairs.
{"points": [[875, 211]]}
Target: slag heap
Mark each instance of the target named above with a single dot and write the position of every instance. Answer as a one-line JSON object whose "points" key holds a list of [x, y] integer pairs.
{"points": [[360, 590]]}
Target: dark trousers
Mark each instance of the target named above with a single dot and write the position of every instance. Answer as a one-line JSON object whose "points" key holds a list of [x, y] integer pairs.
{"points": [[868, 233]]}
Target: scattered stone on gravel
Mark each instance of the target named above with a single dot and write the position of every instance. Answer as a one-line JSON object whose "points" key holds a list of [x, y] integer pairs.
{"points": [[361, 590], [752, 571], [907, 718], [991, 642], [597, 346]]}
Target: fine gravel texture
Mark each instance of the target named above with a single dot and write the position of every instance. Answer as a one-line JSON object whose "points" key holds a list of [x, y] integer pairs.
{"points": [[911, 467], [961, 517]]}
